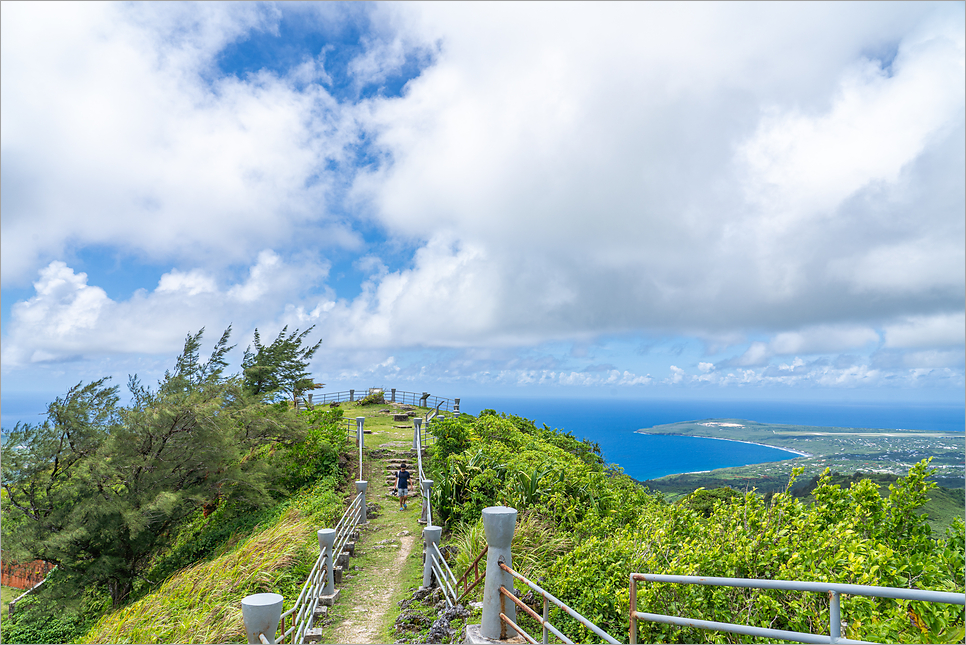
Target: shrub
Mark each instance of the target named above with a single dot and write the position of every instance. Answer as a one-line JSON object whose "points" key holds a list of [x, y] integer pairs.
{"points": [[375, 397]]}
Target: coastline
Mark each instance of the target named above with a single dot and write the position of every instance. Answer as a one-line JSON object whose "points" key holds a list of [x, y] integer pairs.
{"points": [[799, 453]]}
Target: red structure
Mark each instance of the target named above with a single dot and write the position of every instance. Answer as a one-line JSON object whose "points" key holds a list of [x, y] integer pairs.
{"points": [[23, 576]]}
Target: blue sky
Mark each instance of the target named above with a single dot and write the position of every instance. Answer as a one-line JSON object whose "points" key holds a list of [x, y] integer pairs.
{"points": [[755, 201]]}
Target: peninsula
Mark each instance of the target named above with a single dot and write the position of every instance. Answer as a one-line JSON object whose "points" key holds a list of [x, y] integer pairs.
{"points": [[844, 450]]}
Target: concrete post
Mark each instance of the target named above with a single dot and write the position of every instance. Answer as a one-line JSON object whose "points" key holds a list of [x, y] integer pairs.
{"points": [[499, 523], [261, 613], [417, 432], [326, 542], [361, 440], [352, 395], [361, 488], [427, 488], [456, 407], [311, 406], [393, 399], [431, 535]]}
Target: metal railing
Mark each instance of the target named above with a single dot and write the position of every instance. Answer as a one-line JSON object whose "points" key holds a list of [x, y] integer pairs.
{"points": [[302, 613], [325, 398], [391, 395], [835, 590], [422, 400], [464, 580], [544, 621], [444, 575]]}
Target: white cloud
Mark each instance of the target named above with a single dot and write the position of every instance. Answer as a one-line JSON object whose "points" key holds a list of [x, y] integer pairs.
{"points": [[116, 131], [677, 375], [69, 319], [927, 331], [807, 165], [756, 354], [562, 173], [631, 180], [191, 282], [822, 340]]}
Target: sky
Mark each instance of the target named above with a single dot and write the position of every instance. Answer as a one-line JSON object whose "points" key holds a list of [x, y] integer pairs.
{"points": [[758, 201]]}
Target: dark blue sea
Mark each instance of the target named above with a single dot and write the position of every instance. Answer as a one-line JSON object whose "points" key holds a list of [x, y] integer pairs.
{"points": [[611, 423]]}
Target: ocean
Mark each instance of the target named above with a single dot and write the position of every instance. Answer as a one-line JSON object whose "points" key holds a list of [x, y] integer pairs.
{"points": [[612, 422]]}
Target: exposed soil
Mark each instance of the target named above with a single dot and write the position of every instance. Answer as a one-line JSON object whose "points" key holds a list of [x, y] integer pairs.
{"points": [[362, 621]]}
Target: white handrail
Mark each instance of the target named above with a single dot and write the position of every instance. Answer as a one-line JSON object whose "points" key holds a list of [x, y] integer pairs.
{"points": [[448, 583]]}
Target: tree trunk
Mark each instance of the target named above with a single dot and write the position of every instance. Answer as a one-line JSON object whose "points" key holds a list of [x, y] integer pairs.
{"points": [[119, 590]]}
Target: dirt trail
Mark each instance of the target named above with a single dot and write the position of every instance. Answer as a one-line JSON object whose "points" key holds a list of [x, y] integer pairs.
{"points": [[376, 575], [362, 622]]}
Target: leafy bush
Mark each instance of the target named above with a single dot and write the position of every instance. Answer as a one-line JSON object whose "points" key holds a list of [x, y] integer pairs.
{"points": [[374, 398], [703, 501], [452, 436], [615, 527], [317, 456]]}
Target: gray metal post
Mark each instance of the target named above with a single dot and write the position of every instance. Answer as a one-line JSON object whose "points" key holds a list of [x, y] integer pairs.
{"points": [[499, 523], [835, 617], [431, 535], [261, 613], [326, 542], [417, 432], [361, 488], [427, 488], [352, 395], [393, 399]]}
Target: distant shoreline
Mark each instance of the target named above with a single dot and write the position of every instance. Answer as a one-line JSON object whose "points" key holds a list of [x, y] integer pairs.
{"points": [[800, 453]]}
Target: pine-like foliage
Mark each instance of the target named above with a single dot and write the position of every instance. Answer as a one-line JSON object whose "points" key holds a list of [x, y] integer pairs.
{"points": [[97, 489], [281, 366]]}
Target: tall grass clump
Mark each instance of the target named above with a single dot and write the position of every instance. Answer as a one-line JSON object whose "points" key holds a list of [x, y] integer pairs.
{"points": [[202, 603]]}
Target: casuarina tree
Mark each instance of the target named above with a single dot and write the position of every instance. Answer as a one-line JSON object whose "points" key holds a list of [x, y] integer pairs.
{"points": [[280, 367], [96, 489]]}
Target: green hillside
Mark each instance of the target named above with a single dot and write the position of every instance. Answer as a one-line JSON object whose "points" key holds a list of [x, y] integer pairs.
{"points": [[582, 530], [849, 535]]}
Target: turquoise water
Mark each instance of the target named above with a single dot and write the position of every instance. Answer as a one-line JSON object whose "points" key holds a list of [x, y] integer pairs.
{"points": [[611, 423]]}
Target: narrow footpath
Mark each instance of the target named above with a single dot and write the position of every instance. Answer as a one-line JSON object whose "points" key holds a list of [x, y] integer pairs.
{"points": [[387, 563]]}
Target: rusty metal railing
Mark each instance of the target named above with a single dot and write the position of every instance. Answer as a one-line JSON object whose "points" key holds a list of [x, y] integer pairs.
{"points": [[544, 620], [464, 580], [835, 590]]}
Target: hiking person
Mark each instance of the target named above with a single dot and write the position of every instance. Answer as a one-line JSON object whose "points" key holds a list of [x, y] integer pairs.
{"points": [[402, 485]]}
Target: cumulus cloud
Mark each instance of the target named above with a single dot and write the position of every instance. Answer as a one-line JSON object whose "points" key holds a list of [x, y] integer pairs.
{"points": [[927, 331], [117, 131], [672, 190], [784, 181], [69, 319]]}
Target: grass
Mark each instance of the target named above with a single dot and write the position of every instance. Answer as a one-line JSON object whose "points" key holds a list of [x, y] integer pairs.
{"points": [[368, 575], [202, 604], [6, 595], [943, 506]]}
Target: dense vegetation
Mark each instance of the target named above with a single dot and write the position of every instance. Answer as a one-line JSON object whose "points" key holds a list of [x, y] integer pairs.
{"points": [[122, 497], [595, 527], [162, 514]]}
